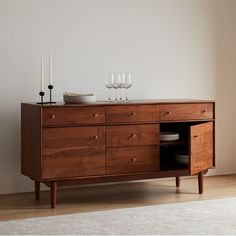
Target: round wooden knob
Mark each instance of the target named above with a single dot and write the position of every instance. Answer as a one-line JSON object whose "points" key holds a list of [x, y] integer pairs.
{"points": [[95, 115], [133, 136], [195, 136], [133, 159], [203, 111], [168, 112], [53, 116], [95, 137], [133, 113]]}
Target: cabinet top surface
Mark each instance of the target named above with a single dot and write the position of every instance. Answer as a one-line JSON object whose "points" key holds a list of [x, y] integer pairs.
{"points": [[131, 102]]}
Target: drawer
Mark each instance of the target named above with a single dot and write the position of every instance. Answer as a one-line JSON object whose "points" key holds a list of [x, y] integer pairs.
{"points": [[132, 113], [132, 159], [132, 135], [186, 111], [73, 115], [70, 137], [73, 162]]}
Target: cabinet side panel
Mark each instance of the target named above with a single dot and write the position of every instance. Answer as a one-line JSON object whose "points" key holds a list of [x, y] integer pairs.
{"points": [[31, 141]]}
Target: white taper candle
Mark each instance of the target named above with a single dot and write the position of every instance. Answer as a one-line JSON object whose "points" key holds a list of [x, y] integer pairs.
{"points": [[50, 68], [42, 75]]}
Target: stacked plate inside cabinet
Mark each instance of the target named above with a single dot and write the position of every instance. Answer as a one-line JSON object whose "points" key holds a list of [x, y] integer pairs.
{"points": [[79, 98], [168, 136], [182, 159]]}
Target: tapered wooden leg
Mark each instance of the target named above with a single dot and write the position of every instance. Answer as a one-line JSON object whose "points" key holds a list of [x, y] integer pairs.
{"points": [[37, 189], [200, 182], [177, 181], [53, 186]]}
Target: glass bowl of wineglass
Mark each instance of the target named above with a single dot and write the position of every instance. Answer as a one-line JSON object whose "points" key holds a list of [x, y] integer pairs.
{"points": [[117, 84], [127, 84], [109, 81]]}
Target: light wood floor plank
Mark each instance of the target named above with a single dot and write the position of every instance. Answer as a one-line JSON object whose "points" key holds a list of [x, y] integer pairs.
{"points": [[114, 196]]}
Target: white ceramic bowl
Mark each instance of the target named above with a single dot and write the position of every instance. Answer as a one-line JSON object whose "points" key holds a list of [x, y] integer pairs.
{"points": [[169, 136], [182, 159], [79, 98]]}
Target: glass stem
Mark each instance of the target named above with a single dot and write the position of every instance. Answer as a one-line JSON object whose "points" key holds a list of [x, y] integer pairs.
{"points": [[126, 97], [109, 96], [116, 95]]}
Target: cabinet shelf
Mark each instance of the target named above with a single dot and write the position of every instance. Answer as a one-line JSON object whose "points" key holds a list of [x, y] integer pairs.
{"points": [[173, 143], [174, 166]]}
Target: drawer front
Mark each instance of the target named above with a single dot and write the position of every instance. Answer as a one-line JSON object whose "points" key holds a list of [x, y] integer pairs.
{"points": [[73, 115], [70, 137], [73, 162], [132, 159], [186, 111], [132, 135], [132, 113]]}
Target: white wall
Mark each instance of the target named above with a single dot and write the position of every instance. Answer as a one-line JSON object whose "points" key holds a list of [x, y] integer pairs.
{"points": [[168, 45], [225, 15]]}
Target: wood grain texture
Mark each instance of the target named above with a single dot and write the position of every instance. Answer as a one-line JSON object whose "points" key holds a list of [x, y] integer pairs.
{"points": [[130, 102], [31, 141], [132, 113], [69, 137], [73, 162], [174, 112], [73, 116], [132, 135], [132, 159], [119, 177], [201, 147], [65, 144]]}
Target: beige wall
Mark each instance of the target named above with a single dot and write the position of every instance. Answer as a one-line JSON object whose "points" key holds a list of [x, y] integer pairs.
{"points": [[168, 45], [225, 13]]}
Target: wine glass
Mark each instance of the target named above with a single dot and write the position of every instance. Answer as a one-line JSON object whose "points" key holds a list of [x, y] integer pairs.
{"points": [[122, 84], [109, 81], [127, 84], [116, 84]]}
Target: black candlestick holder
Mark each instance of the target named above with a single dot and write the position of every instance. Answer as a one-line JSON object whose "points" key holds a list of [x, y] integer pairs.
{"points": [[50, 87], [41, 94]]}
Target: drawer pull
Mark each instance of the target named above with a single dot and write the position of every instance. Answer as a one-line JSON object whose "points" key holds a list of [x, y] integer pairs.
{"points": [[168, 112], [95, 115], [53, 116], [95, 137], [195, 136], [133, 159], [133, 113], [203, 111], [133, 135]]}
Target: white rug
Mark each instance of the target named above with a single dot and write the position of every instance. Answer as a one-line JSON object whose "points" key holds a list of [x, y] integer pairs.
{"points": [[200, 217]]}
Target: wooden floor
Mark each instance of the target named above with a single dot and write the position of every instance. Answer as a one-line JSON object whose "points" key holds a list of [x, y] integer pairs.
{"points": [[122, 195]]}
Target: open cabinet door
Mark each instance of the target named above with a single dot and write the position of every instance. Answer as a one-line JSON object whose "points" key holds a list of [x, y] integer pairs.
{"points": [[201, 147]]}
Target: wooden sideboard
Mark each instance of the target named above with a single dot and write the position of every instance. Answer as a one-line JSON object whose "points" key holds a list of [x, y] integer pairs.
{"points": [[69, 144]]}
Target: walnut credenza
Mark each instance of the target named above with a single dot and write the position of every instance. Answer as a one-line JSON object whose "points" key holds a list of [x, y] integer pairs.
{"points": [[64, 144]]}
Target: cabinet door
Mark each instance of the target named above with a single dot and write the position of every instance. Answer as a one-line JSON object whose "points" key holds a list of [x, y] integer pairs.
{"points": [[201, 147]]}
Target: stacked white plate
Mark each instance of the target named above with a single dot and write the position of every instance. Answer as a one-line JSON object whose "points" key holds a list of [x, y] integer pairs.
{"points": [[79, 98], [169, 136], [182, 159]]}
